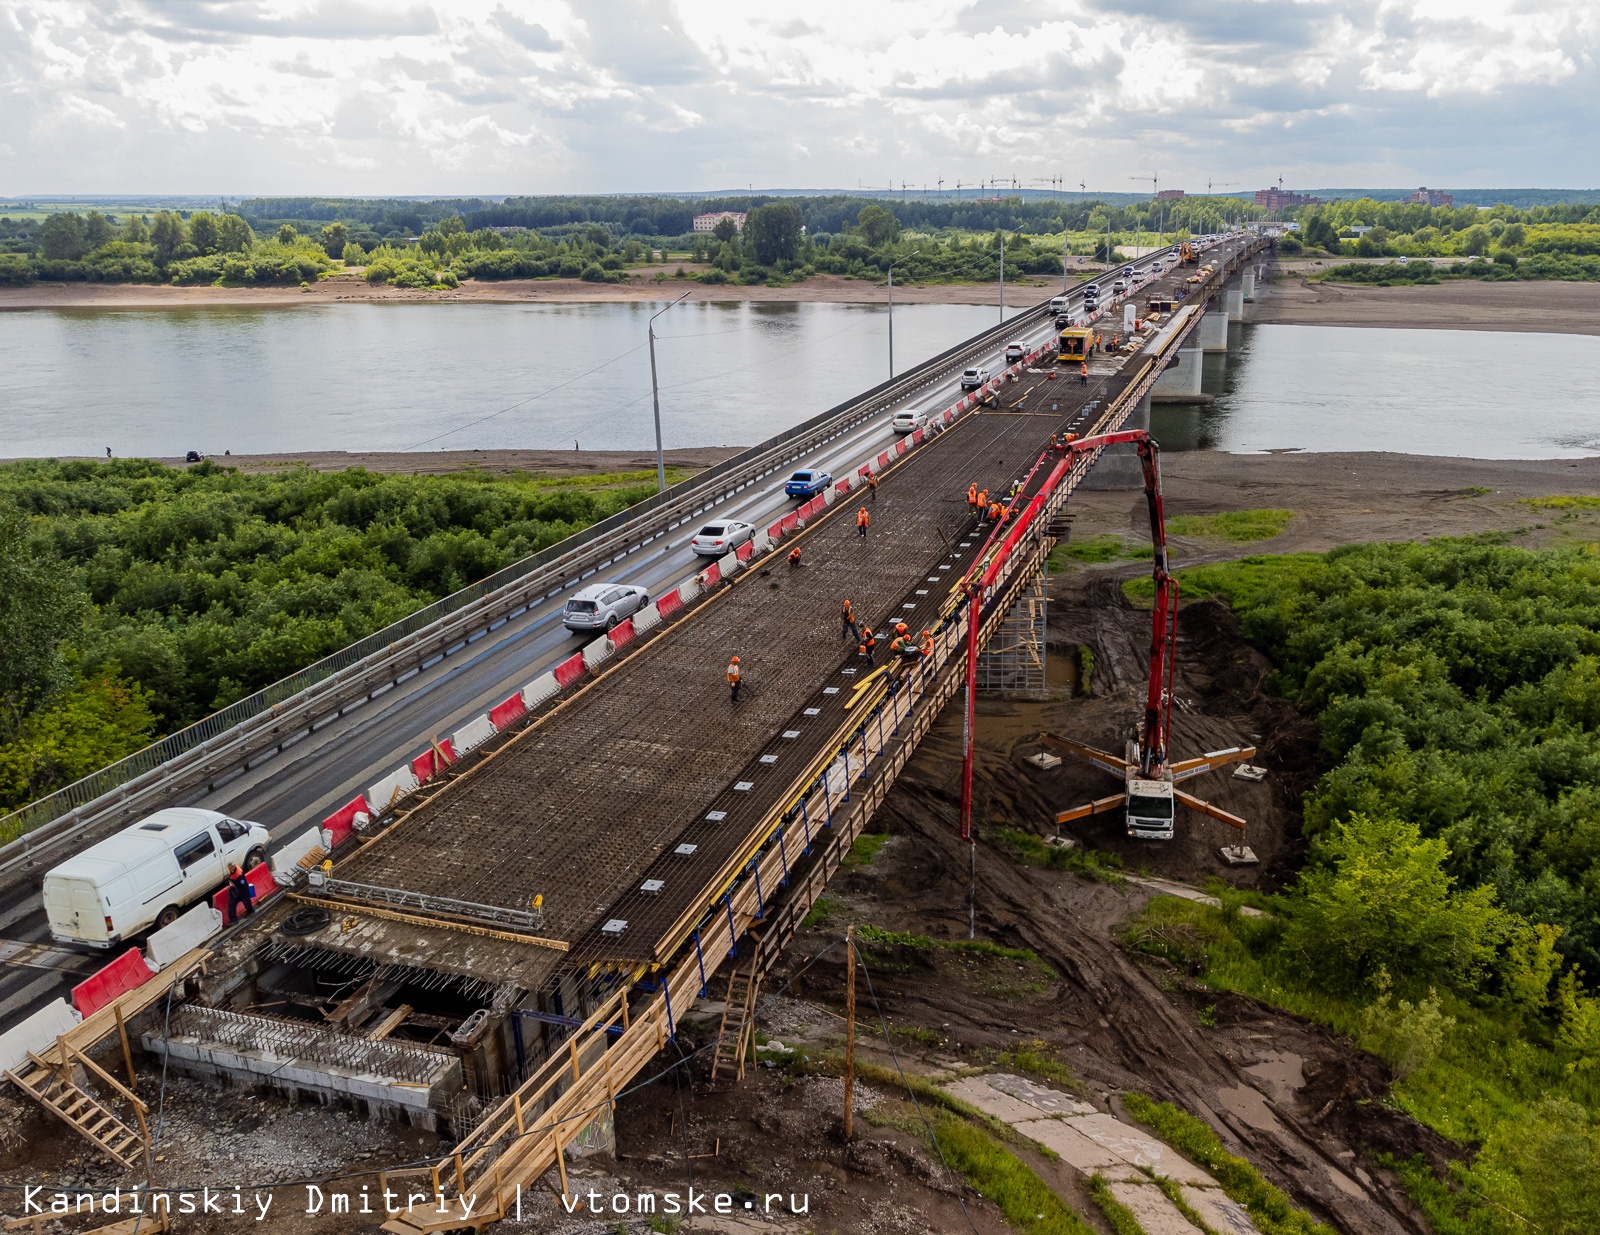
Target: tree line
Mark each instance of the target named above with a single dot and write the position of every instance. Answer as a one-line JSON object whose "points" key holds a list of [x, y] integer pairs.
{"points": [[136, 598]]}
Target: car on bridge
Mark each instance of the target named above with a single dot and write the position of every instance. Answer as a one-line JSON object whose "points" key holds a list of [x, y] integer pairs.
{"points": [[600, 606], [1015, 351], [910, 419], [715, 539], [974, 377], [807, 483]]}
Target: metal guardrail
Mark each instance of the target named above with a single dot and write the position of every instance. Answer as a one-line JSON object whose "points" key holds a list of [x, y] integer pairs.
{"points": [[232, 739]]}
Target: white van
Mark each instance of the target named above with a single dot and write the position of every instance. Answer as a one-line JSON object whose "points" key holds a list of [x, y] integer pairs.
{"points": [[1060, 304], [146, 875]]}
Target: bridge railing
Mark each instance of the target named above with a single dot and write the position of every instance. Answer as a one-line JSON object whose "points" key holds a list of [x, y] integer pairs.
{"points": [[232, 739]]}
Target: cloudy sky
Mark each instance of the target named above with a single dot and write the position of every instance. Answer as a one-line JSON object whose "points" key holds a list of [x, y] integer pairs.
{"points": [[549, 96]]}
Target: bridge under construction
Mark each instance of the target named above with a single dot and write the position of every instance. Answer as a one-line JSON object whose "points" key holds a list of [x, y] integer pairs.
{"points": [[501, 948]]}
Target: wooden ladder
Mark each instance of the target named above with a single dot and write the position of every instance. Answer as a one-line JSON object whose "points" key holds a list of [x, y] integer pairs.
{"points": [[52, 1086], [738, 1018]]}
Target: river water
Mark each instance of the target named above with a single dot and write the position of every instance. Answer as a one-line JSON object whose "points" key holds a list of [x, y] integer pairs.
{"points": [[453, 376], [442, 376], [1474, 393]]}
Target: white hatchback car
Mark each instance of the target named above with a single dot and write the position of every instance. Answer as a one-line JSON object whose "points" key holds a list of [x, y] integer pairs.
{"points": [[716, 539], [1015, 352], [973, 378], [600, 606]]}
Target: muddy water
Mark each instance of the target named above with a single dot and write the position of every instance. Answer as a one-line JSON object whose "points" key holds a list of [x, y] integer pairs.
{"points": [[441, 376], [1468, 393]]}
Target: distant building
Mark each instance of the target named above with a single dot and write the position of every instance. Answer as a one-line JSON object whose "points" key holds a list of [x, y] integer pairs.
{"points": [[708, 222], [1168, 194], [1431, 197], [1279, 199]]}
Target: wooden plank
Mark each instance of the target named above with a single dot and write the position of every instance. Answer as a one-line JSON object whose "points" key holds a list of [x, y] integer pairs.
{"points": [[390, 1023]]}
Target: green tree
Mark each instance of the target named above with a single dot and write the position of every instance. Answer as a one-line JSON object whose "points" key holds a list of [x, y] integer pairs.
{"points": [[97, 230], [135, 229], [1473, 241], [877, 225], [1379, 900], [41, 608], [287, 235], [452, 226], [1514, 236], [168, 235], [772, 232], [334, 237], [62, 237], [725, 230], [1321, 234], [234, 235], [98, 723], [203, 231], [352, 255]]}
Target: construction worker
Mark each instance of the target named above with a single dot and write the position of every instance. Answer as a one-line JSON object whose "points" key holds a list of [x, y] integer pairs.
{"points": [[901, 629], [904, 647], [794, 556], [927, 644], [869, 641], [734, 678], [972, 496], [239, 892], [1083, 371], [862, 519], [849, 618], [872, 483]]}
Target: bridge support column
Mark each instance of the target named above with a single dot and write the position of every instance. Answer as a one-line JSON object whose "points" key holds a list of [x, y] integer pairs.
{"points": [[1181, 383], [1118, 468], [1233, 302], [1012, 665], [1214, 332], [1248, 284]]}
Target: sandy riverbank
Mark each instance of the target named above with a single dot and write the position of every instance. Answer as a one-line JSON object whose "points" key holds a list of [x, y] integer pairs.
{"points": [[352, 288], [1468, 304]]}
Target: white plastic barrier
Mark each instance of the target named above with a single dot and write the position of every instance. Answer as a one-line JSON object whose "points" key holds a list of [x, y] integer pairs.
{"points": [[830, 495], [386, 792], [187, 933], [474, 733], [689, 589], [646, 619], [545, 685], [729, 565], [596, 652], [37, 1034], [285, 862], [762, 544]]}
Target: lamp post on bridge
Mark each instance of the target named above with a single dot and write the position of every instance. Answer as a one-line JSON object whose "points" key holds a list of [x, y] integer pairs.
{"points": [[913, 253], [655, 394]]}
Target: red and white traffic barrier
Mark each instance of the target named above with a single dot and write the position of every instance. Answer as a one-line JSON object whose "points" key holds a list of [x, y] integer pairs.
{"points": [[475, 732], [127, 973], [508, 712], [338, 826]]}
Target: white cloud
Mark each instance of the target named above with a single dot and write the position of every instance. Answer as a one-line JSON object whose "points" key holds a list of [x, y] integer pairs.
{"points": [[479, 96]]}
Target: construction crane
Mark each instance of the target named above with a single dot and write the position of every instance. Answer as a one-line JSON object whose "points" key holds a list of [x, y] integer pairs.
{"points": [[1149, 778]]}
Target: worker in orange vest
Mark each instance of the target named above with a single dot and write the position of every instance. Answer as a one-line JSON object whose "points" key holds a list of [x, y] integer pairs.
{"points": [[1083, 371], [734, 677], [872, 483], [927, 644], [849, 618], [869, 641], [862, 519], [972, 496], [794, 556], [901, 629], [996, 512]]}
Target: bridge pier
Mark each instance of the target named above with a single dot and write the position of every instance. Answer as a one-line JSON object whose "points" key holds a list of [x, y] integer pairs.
{"points": [[1233, 303], [1181, 383], [1118, 468], [1213, 332], [1247, 284]]}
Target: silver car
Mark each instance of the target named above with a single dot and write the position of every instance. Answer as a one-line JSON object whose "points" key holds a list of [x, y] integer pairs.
{"points": [[600, 606], [716, 539]]}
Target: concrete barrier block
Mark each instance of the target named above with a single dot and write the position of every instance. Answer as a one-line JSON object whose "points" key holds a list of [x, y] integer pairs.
{"points": [[477, 731], [688, 589], [729, 565], [285, 862], [594, 653], [187, 933], [386, 792], [646, 619], [38, 1033], [545, 685], [761, 543]]}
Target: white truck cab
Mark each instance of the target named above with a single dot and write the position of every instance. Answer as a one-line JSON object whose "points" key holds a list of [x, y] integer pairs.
{"points": [[1150, 808], [146, 875]]}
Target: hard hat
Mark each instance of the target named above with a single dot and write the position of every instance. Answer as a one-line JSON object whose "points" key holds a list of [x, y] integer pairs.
{"points": [[736, 660]]}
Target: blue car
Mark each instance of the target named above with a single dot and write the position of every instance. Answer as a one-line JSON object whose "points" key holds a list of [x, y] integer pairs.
{"points": [[807, 483]]}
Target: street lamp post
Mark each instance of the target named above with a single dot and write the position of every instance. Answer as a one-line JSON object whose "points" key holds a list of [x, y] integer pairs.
{"points": [[1002, 276], [911, 254], [655, 394]]}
